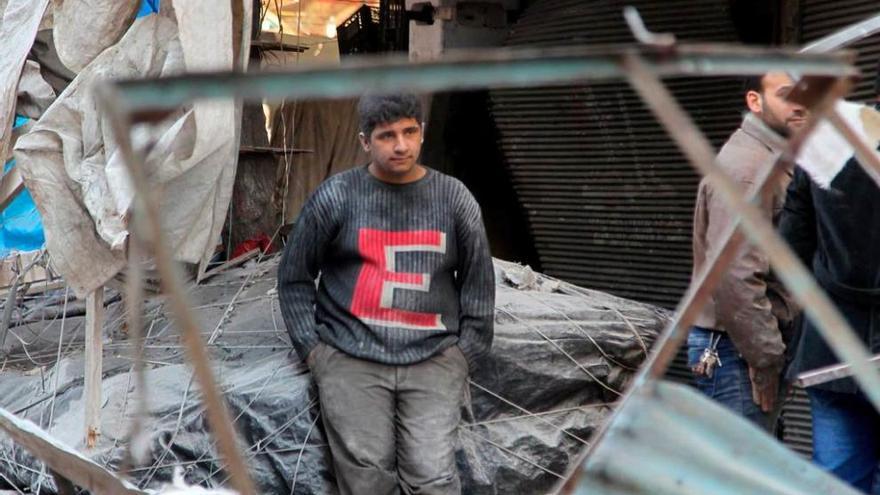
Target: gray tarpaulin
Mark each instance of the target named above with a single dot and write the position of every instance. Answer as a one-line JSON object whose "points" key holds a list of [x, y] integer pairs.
{"points": [[18, 28], [71, 167], [85, 28], [560, 359]]}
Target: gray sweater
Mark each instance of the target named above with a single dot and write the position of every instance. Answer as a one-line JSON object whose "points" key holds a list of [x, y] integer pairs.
{"points": [[405, 270]]}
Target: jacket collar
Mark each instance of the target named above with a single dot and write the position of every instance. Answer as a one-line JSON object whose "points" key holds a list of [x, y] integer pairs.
{"points": [[757, 129]]}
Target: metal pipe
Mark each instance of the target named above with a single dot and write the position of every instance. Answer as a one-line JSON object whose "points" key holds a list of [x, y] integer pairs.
{"points": [[146, 205], [828, 373], [865, 156], [845, 36], [797, 279], [497, 68], [673, 336]]}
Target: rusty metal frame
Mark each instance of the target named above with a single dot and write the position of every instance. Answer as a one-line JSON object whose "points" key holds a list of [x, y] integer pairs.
{"points": [[129, 102]]}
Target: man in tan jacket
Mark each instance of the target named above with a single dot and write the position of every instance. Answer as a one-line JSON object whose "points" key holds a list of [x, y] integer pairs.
{"points": [[737, 346]]}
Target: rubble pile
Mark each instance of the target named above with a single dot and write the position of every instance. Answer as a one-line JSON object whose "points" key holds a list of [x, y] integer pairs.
{"points": [[561, 357]]}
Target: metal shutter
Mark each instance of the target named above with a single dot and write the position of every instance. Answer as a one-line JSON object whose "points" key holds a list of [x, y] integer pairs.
{"points": [[822, 17], [608, 197]]}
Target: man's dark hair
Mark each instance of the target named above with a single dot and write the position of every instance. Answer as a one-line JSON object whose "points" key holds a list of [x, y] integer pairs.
{"points": [[385, 109], [753, 83]]}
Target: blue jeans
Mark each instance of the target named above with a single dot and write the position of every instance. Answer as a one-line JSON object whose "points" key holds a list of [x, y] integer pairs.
{"points": [[730, 384], [845, 436]]}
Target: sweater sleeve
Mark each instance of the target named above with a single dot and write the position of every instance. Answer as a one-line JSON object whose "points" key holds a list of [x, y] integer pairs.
{"points": [[299, 268], [475, 278]]}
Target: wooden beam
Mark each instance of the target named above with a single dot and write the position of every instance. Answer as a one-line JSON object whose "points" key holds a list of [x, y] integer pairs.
{"points": [[10, 185], [234, 262], [94, 361], [63, 460]]}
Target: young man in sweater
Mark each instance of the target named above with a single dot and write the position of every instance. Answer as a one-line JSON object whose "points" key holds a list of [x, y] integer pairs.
{"points": [[403, 310], [744, 327]]}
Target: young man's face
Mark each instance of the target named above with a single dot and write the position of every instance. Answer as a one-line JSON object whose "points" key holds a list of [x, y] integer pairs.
{"points": [[394, 147], [771, 106]]}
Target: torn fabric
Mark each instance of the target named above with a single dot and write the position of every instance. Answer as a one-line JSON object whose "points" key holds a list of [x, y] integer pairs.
{"points": [[209, 174], [62, 159], [34, 93], [85, 28], [71, 164], [18, 28]]}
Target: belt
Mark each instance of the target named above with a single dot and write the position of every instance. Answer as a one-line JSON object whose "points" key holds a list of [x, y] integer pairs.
{"points": [[709, 330]]}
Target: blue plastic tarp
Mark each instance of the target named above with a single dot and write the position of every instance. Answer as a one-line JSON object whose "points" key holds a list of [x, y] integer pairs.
{"points": [[148, 7], [21, 228]]}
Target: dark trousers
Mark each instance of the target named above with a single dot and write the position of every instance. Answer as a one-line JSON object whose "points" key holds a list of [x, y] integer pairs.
{"points": [[846, 436], [391, 429], [730, 385]]}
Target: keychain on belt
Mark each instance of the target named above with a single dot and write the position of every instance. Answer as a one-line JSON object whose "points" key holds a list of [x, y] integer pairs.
{"points": [[709, 359]]}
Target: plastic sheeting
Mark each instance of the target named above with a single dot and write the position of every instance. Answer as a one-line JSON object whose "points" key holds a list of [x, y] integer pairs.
{"points": [[85, 28], [560, 352], [70, 164], [148, 7], [20, 226], [18, 28], [35, 95]]}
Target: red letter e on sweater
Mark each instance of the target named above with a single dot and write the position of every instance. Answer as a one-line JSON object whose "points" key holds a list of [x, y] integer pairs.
{"points": [[374, 293]]}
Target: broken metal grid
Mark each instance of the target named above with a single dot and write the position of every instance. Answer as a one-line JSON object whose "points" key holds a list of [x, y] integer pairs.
{"points": [[129, 102]]}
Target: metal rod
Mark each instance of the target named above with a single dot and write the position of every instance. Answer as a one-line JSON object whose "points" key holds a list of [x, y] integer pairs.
{"points": [[673, 336], [865, 156], [845, 36], [706, 282], [134, 303], [828, 373], [497, 68], [797, 279], [6, 320], [93, 365], [217, 413]]}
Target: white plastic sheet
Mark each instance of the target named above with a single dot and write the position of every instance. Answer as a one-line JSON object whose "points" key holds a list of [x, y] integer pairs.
{"points": [[85, 28], [34, 93], [70, 161], [62, 158], [18, 28]]}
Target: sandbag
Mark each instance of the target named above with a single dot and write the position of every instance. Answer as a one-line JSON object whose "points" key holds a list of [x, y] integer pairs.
{"points": [[85, 28]]}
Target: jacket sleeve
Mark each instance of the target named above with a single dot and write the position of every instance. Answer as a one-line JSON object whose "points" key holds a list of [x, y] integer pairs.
{"points": [[797, 224], [475, 278], [298, 270], [743, 308]]}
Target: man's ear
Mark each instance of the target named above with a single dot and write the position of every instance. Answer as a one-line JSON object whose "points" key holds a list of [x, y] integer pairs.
{"points": [[754, 101], [423, 132], [363, 139]]}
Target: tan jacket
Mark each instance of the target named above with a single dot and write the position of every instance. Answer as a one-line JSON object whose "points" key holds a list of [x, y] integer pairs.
{"points": [[749, 303]]}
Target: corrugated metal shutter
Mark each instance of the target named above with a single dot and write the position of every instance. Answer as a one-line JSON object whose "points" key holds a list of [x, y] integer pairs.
{"points": [[819, 18], [822, 17], [609, 198]]}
